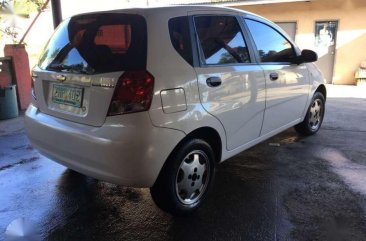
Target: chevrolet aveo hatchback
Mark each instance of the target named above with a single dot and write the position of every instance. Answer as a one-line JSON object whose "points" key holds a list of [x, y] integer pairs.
{"points": [[158, 97]]}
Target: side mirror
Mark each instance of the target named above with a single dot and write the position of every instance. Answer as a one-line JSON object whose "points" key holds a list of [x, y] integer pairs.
{"points": [[307, 56]]}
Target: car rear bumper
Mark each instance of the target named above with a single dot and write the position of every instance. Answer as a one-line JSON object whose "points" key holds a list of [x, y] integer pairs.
{"points": [[126, 150]]}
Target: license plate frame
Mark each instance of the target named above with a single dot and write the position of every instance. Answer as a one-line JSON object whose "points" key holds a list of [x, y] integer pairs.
{"points": [[67, 95]]}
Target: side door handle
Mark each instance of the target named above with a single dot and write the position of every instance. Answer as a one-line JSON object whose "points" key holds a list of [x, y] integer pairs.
{"points": [[273, 76], [213, 81]]}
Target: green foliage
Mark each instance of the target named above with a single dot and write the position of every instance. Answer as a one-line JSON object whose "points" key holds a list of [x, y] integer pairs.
{"points": [[25, 7]]}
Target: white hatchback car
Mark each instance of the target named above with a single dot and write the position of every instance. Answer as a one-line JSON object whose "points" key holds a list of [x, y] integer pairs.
{"points": [[157, 97]]}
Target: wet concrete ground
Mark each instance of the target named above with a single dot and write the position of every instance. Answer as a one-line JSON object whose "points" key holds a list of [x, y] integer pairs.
{"points": [[287, 188]]}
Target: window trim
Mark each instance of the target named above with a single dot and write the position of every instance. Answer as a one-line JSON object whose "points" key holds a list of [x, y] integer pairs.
{"points": [[195, 46], [199, 51], [258, 58]]}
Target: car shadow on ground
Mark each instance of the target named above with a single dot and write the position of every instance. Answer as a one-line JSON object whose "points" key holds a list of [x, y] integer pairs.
{"points": [[278, 190], [241, 205]]}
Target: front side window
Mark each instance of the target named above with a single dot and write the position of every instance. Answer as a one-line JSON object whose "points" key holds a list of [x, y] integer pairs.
{"points": [[271, 45], [221, 40]]}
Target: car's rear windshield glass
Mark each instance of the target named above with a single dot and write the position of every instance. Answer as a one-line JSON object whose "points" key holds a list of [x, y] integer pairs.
{"points": [[97, 43]]}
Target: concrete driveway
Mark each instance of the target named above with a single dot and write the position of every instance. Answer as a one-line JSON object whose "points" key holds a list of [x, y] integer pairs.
{"points": [[288, 188]]}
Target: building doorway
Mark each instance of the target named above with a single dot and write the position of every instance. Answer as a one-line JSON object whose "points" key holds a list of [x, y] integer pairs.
{"points": [[289, 27], [325, 46]]}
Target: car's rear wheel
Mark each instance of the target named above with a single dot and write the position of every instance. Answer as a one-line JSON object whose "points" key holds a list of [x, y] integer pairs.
{"points": [[185, 178], [314, 117]]}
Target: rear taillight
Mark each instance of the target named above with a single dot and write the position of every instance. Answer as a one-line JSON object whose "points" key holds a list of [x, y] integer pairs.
{"points": [[133, 93]]}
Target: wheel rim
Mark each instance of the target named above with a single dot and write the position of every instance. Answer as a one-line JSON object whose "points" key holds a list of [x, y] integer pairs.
{"points": [[192, 177], [315, 114]]}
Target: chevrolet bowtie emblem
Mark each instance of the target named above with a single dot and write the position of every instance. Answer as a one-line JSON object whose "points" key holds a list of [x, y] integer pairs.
{"points": [[61, 78]]}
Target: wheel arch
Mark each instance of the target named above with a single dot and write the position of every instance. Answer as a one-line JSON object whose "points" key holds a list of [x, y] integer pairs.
{"points": [[208, 134], [321, 88], [211, 136]]}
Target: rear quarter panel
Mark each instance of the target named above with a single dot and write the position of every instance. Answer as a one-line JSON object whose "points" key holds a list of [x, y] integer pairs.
{"points": [[171, 71]]}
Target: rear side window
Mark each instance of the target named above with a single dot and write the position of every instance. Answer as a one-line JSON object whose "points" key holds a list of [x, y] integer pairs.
{"points": [[180, 37], [97, 43], [221, 40], [271, 45]]}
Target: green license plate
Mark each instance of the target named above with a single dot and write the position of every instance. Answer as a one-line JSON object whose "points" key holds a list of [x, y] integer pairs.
{"points": [[67, 95]]}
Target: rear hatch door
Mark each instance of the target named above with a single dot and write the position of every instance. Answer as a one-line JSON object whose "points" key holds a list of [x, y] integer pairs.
{"points": [[82, 62]]}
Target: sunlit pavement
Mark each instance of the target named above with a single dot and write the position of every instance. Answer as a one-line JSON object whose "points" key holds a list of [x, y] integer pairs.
{"points": [[288, 188]]}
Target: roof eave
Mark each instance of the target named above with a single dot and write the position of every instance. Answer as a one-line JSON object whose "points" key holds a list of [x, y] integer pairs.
{"points": [[249, 2]]}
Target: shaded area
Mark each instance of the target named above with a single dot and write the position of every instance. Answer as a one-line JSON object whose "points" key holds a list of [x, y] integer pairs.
{"points": [[246, 211], [320, 205], [283, 189]]}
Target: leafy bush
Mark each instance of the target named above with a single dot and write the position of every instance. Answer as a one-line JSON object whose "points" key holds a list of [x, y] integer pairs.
{"points": [[25, 7]]}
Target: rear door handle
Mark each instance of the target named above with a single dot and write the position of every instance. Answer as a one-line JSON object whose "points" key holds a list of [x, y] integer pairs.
{"points": [[213, 81], [273, 76]]}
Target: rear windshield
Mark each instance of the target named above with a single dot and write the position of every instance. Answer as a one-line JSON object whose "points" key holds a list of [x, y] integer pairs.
{"points": [[97, 43]]}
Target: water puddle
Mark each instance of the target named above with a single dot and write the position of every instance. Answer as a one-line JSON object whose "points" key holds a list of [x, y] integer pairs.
{"points": [[353, 174]]}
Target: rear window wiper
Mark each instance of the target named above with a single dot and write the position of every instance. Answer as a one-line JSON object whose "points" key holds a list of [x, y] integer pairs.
{"points": [[74, 68]]}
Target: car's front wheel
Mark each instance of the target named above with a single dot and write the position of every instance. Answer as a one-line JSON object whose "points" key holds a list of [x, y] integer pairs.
{"points": [[185, 178], [314, 117]]}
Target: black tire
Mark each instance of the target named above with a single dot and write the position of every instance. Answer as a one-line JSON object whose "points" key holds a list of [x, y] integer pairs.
{"points": [[313, 119], [166, 193]]}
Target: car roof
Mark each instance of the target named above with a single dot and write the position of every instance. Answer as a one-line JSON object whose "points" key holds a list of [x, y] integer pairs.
{"points": [[189, 8], [172, 10], [182, 10]]}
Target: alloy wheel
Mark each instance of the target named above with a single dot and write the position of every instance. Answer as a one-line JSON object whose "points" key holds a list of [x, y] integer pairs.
{"points": [[315, 114], [192, 177]]}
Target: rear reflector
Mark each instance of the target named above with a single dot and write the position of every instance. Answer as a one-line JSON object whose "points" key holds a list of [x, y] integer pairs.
{"points": [[133, 93]]}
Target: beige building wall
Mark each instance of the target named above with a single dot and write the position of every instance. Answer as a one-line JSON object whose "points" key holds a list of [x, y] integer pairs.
{"points": [[351, 37]]}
